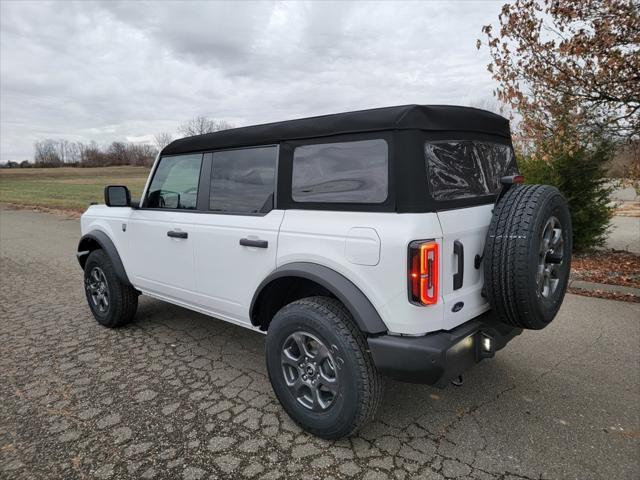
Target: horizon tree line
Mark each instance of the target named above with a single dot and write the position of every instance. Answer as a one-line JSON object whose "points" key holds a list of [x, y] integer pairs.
{"points": [[52, 152]]}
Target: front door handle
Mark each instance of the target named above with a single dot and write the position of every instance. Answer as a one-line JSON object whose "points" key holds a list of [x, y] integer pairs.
{"points": [[458, 277], [248, 242], [177, 234]]}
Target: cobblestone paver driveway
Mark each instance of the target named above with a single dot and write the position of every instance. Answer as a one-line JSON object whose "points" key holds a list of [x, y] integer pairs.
{"points": [[179, 395]]}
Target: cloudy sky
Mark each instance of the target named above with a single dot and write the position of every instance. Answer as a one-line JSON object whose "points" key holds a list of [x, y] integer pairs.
{"points": [[125, 71]]}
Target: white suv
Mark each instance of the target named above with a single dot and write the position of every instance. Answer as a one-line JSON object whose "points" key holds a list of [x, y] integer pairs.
{"points": [[389, 241]]}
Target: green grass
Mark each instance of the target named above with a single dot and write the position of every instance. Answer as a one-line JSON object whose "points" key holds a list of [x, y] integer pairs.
{"points": [[67, 188]]}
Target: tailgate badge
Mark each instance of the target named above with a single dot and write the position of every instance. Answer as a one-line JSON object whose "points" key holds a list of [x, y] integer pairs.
{"points": [[457, 307]]}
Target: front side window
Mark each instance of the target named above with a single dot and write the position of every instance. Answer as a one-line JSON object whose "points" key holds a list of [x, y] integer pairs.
{"points": [[345, 172], [465, 168], [243, 180], [175, 183]]}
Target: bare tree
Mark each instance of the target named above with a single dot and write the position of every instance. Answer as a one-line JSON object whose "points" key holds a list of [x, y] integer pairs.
{"points": [[199, 125], [58, 153], [90, 154], [491, 104], [46, 153], [71, 152], [119, 154], [141, 154], [54, 152], [62, 146], [162, 139]]}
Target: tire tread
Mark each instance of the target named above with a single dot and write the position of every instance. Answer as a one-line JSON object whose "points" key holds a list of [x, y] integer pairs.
{"points": [[371, 381], [510, 239], [124, 298]]}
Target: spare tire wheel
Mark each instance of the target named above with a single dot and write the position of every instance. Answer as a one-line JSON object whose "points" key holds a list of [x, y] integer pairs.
{"points": [[528, 255]]}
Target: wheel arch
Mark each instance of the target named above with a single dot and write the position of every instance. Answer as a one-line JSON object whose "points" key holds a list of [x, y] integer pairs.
{"points": [[300, 279], [95, 240]]}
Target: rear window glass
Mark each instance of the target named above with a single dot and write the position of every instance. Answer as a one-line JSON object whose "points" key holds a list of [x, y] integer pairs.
{"points": [[243, 180], [462, 169], [345, 172]]}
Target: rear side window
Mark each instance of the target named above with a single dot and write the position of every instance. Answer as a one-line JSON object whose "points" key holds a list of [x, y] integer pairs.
{"points": [[463, 169], [345, 172], [243, 180], [175, 183]]}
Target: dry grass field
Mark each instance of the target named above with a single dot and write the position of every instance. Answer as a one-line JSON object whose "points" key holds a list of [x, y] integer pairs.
{"points": [[66, 188]]}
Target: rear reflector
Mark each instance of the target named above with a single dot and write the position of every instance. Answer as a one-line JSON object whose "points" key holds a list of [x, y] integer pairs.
{"points": [[512, 179], [423, 272]]}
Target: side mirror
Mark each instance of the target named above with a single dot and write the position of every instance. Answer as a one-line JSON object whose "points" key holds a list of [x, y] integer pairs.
{"points": [[117, 196]]}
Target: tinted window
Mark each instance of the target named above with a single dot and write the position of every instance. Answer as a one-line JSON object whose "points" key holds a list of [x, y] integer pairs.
{"points": [[347, 172], [462, 169], [243, 180], [175, 182]]}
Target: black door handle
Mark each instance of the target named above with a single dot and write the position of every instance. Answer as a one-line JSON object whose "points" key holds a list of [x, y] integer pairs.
{"points": [[176, 234], [458, 277], [247, 242]]}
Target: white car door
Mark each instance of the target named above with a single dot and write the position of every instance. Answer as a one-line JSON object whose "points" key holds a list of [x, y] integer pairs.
{"points": [[160, 233], [235, 244]]}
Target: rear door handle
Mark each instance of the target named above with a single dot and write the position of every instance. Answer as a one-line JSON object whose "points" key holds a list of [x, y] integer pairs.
{"points": [[177, 234], [458, 277], [248, 242]]}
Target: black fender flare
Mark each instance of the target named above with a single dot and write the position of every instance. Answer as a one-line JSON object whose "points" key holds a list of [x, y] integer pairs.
{"points": [[87, 245], [364, 313]]}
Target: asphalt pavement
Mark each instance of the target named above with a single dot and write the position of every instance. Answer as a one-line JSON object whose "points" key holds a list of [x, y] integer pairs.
{"points": [[181, 395], [625, 234]]}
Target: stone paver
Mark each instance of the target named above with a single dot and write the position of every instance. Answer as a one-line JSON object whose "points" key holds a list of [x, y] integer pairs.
{"points": [[180, 395]]}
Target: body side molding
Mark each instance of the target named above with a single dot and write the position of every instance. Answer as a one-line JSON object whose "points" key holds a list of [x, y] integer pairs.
{"points": [[362, 310], [87, 244]]}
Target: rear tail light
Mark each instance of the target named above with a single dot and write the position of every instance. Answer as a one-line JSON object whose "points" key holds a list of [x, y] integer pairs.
{"points": [[423, 272]]}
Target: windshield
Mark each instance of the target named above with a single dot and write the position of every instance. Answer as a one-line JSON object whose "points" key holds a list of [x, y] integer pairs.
{"points": [[467, 168]]}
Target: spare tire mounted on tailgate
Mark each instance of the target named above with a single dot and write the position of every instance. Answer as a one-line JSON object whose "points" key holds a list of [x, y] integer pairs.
{"points": [[527, 255]]}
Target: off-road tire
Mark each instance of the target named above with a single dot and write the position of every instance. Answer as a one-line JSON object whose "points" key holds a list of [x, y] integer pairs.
{"points": [[123, 299], [512, 256], [360, 385]]}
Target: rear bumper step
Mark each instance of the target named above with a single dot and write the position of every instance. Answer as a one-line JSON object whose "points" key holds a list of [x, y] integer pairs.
{"points": [[436, 358]]}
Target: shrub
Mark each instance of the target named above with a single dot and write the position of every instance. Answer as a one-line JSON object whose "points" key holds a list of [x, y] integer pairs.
{"points": [[581, 177]]}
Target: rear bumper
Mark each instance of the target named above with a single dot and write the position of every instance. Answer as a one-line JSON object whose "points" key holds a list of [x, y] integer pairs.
{"points": [[438, 357]]}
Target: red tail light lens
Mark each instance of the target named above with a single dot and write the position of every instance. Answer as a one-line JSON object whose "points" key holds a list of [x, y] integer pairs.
{"points": [[423, 272]]}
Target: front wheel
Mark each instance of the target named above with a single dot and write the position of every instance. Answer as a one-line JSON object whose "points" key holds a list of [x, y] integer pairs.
{"points": [[320, 368], [112, 302]]}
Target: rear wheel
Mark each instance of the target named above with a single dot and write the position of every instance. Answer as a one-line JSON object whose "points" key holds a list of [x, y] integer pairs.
{"points": [[112, 302], [528, 256], [320, 368]]}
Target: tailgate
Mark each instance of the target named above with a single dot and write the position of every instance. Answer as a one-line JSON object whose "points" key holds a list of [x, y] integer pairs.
{"points": [[463, 236]]}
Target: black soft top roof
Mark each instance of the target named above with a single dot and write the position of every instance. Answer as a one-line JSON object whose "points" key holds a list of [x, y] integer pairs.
{"points": [[441, 118]]}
